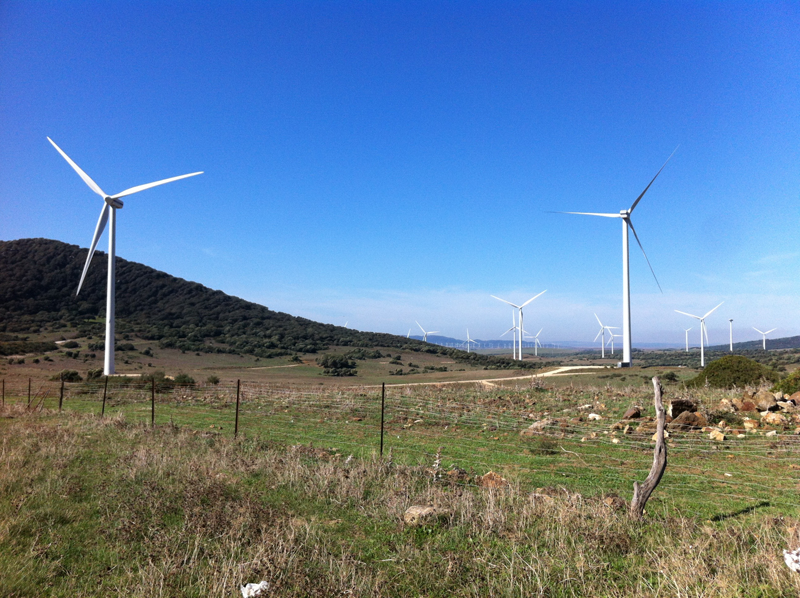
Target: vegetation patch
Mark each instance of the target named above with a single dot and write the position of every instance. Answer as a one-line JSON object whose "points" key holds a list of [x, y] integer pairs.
{"points": [[734, 370], [790, 384]]}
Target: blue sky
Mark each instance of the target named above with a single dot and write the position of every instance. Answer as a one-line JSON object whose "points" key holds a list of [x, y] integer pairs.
{"points": [[385, 162]]}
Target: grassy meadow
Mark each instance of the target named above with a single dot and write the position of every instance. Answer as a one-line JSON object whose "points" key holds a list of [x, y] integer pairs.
{"points": [[91, 506]]}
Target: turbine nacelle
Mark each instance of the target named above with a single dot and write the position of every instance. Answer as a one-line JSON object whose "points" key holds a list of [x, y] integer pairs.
{"points": [[113, 202]]}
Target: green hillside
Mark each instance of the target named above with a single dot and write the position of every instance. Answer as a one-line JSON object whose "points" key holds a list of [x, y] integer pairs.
{"points": [[38, 279]]}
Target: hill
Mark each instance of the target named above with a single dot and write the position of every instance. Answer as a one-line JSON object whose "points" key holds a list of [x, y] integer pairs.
{"points": [[38, 278]]}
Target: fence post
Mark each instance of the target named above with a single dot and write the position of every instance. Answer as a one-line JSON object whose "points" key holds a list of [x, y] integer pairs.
{"points": [[153, 403], [236, 425], [383, 403], [29, 393], [105, 390], [61, 394], [641, 493], [4, 392]]}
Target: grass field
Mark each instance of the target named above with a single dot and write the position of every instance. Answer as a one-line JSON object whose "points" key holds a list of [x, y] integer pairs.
{"points": [[96, 505]]}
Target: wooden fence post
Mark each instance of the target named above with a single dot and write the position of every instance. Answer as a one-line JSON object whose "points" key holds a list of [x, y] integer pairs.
{"points": [[236, 425], [642, 493], [105, 390], [61, 394], [383, 403], [153, 403]]}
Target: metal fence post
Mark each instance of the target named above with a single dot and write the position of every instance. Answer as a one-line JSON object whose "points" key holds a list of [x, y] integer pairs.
{"points": [[383, 403], [105, 390], [236, 425], [153, 403]]}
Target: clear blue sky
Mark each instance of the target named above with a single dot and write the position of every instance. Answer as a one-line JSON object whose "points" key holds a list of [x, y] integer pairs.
{"points": [[381, 162]]}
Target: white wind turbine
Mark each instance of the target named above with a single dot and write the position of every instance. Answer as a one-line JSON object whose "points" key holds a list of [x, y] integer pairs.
{"points": [[764, 336], [425, 334], [686, 330], [521, 326], [625, 216], [110, 207], [612, 336], [514, 330], [468, 341], [703, 332], [536, 343], [602, 333]]}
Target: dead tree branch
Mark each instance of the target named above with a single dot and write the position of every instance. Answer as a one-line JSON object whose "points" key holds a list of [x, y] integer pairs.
{"points": [[641, 493]]}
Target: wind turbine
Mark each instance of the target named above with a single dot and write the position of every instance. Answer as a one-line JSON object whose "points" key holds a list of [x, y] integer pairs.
{"points": [[625, 216], [514, 329], [703, 332], [425, 334], [536, 343], [521, 327], [111, 204], [468, 341], [602, 333], [731, 324], [612, 337], [764, 336], [686, 330]]}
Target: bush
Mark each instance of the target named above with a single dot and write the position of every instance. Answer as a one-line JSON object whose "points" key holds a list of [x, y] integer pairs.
{"points": [[184, 380], [733, 370], [212, 379], [789, 385], [70, 345], [68, 376], [94, 374]]}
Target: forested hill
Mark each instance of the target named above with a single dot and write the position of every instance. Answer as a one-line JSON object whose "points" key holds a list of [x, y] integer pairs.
{"points": [[38, 279]]}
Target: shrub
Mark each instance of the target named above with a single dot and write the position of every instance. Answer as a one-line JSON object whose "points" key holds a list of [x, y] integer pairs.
{"points": [[733, 370], [212, 379], [790, 384], [184, 380], [68, 376], [94, 374], [70, 345]]}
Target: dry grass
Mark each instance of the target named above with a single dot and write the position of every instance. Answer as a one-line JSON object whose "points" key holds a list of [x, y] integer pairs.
{"points": [[92, 507]]}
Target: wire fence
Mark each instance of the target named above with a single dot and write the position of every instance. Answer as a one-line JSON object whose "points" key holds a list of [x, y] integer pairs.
{"points": [[460, 432]]}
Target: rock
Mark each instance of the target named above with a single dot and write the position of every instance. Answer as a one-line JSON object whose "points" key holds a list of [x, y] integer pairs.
{"points": [[750, 424], [594, 416], [787, 406], [419, 515], [748, 405], [615, 441], [654, 438], [678, 406], [774, 419], [647, 427], [792, 559], [765, 401], [615, 502], [795, 398], [492, 480], [539, 427], [632, 413], [737, 404], [725, 406], [778, 395], [627, 430], [688, 420], [771, 433], [253, 590], [748, 395], [717, 435], [618, 426]]}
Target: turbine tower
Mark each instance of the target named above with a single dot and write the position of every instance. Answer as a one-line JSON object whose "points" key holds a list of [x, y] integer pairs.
{"points": [[111, 204], [731, 324], [703, 332], [764, 336], [514, 330], [425, 334], [625, 216], [686, 330], [468, 341], [521, 327]]}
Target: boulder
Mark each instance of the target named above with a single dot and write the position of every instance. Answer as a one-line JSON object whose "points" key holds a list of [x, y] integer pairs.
{"points": [[774, 419], [492, 480], [795, 398], [725, 406], [750, 424], [748, 405], [737, 404], [618, 426], [787, 406], [748, 395], [678, 406], [594, 417], [771, 433], [539, 427], [765, 401], [717, 435], [688, 420], [632, 413], [420, 515]]}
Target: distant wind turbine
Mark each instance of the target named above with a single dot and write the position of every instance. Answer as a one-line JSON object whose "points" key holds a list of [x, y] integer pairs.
{"points": [[536, 343], [612, 336], [425, 334], [625, 215], [468, 341], [521, 327], [730, 320], [703, 332], [764, 336], [111, 204], [602, 333]]}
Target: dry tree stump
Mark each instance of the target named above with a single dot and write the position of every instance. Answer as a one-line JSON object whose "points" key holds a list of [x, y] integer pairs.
{"points": [[642, 492]]}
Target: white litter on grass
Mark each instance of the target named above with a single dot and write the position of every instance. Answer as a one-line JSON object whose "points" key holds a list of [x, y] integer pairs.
{"points": [[792, 558], [252, 590]]}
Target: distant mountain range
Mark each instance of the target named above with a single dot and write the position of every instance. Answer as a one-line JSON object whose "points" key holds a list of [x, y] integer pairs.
{"points": [[38, 279]]}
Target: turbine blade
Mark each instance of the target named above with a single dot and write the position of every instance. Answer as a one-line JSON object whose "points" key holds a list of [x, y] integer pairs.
{"points": [[598, 320], [638, 199], [690, 315], [712, 311], [101, 225], [768, 331], [757, 330], [645, 255], [421, 328], [504, 301], [538, 333], [509, 330], [598, 334], [589, 214], [532, 298], [86, 178], [138, 188]]}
